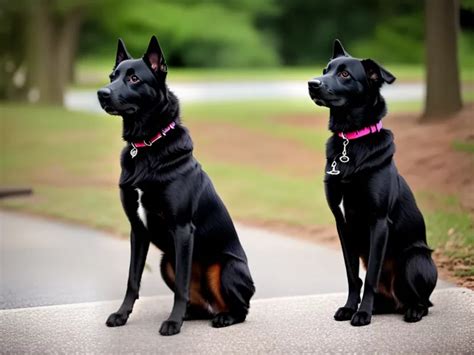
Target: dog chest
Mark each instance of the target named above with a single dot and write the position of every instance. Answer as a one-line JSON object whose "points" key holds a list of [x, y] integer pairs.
{"points": [[141, 212]]}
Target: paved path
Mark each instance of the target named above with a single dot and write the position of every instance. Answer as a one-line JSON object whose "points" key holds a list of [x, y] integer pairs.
{"points": [[239, 91], [284, 325], [46, 262]]}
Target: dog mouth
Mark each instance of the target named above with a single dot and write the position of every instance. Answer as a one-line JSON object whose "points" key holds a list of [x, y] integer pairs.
{"points": [[318, 99], [110, 110], [319, 102], [119, 112], [326, 99]]}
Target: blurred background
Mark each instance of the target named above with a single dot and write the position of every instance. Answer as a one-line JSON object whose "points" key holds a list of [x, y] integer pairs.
{"points": [[240, 68]]}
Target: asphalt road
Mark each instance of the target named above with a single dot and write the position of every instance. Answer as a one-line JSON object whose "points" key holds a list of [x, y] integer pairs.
{"points": [[284, 325], [46, 262], [86, 100]]}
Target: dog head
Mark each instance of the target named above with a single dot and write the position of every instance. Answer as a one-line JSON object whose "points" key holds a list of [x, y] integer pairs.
{"points": [[348, 82], [136, 85]]}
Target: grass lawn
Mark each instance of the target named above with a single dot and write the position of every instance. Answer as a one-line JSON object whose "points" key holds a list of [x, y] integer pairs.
{"points": [[71, 161]]}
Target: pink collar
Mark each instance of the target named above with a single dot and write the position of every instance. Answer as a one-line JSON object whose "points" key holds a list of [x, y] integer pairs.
{"points": [[149, 143], [363, 132]]}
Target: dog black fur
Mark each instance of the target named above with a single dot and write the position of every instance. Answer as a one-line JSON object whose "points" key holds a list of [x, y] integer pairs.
{"points": [[203, 261], [375, 211]]}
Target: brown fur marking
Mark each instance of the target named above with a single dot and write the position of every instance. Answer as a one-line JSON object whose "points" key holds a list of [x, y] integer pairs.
{"points": [[195, 290], [214, 284]]}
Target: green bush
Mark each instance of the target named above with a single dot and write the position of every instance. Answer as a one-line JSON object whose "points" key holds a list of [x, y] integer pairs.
{"points": [[400, 39], [191, 34]]}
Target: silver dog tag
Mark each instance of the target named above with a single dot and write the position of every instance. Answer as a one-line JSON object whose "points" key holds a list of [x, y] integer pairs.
{"points": [[333, 170]]}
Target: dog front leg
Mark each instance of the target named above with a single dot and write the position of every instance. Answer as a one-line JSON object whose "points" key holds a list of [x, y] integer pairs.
{"points": [[139, 250], [351, 259], [378, 244], [183, 237]]}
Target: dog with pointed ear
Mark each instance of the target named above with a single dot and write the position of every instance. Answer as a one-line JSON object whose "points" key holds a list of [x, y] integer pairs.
{"points": [[338, 50], [375, 211], [122, 53], [171, 202], [348, 81], [377, 74], [155, 58], [136, 84]]}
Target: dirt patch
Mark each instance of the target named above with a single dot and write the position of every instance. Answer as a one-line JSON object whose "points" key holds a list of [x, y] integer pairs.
{"points": [[228, 143], [425, 154], [426, 158], [319, 122], [447, 269]]}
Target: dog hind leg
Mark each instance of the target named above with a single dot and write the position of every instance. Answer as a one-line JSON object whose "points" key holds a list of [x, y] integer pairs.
{"points": [[416, 282], [232, 287], [198, 307]]}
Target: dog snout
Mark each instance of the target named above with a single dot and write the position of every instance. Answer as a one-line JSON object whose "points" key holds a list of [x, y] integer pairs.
{"points": [[104, 93], [315, 84]]}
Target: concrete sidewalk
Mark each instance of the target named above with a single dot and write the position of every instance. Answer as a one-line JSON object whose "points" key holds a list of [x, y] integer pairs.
{"points": [[279, 325]]}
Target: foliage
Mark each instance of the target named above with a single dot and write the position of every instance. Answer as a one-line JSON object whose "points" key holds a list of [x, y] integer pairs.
{"points": [[390, 38], [207, 33], [263, 32]]}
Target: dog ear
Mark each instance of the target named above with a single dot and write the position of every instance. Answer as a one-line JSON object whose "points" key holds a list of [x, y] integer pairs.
{"points": [[154, 57], [338, 50], [122, 53], [376, 73]]}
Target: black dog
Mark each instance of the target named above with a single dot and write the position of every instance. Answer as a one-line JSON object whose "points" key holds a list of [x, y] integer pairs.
{"points": [[376, 214], [171, 202]]}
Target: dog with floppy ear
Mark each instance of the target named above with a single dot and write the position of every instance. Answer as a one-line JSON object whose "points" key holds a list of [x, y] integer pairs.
{"points": [[376, 214], [171, 202]]}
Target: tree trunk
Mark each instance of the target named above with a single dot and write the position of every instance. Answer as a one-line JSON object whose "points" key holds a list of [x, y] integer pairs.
{"points": [[443, 90], [42, 60], [52, 42], [68, 38]]}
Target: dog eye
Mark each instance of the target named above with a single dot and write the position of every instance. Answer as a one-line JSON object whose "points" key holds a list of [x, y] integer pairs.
{"points": [[133, 79], [344, 74]]}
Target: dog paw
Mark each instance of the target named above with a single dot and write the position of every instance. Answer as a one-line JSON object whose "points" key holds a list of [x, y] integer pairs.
{"points": [[225, 319], [344, 313], [415, 314], [170, 327], [116, 320], [361, 318]]}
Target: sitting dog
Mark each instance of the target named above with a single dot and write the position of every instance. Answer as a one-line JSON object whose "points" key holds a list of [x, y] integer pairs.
{"points": [[375, 211], [171, 202]]}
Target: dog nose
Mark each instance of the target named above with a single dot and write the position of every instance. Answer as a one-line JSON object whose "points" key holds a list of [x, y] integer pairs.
{"points": [[314, 84], [104, 93]]}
